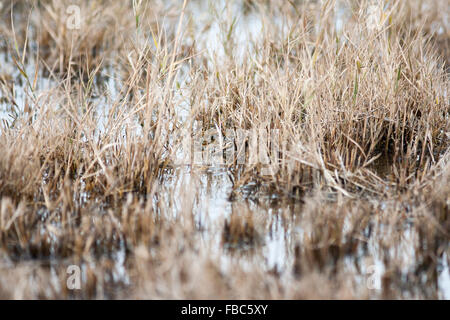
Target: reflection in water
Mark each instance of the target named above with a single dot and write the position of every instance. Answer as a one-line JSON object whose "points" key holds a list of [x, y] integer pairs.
{"points": [[284, 236]]}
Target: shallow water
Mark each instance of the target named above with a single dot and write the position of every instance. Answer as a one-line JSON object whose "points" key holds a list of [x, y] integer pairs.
{"points": [[280, 227]]}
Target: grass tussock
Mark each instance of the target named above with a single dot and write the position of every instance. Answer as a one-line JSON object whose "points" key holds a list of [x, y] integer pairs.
{"points": [[341, 101]]}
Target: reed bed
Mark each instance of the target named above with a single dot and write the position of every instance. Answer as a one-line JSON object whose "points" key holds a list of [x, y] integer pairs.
{"points": [[231, 149]]}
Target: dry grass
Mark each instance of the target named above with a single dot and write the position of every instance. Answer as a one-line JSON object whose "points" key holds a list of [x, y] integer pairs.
{"points": [[93, 121]]}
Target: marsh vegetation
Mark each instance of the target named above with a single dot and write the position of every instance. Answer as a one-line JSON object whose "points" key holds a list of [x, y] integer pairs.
{"points": [[103, 114]]}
